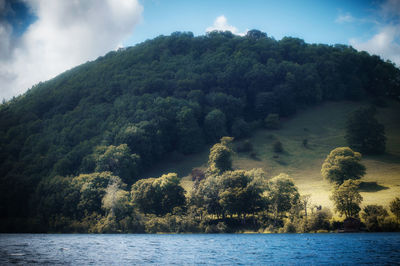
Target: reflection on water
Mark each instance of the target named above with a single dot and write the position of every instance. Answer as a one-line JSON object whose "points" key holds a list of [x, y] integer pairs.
{"points": [[200, 249]]}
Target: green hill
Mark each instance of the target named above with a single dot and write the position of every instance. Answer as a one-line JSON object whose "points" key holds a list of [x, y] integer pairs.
{"points": [[176, 95], [324, 128]]}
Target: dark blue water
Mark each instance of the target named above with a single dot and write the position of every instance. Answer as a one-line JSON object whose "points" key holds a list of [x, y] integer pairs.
{"points": [[200, 249]]}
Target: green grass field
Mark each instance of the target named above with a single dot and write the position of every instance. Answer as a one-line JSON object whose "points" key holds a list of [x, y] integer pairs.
{"points": [[323, 127]]}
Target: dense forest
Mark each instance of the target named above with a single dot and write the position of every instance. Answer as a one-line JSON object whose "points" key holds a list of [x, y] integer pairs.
{"points": [[75, 145]]}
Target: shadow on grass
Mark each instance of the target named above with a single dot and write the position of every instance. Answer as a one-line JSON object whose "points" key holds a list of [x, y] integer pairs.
{"points": [[370, 187], [386, 158]]}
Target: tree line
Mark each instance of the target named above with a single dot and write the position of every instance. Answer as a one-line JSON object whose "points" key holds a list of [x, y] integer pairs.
{"points": [[222, 200]]}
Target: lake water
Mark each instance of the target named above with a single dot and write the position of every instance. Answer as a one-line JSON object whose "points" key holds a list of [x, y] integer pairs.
{"points": [[126, 249]]}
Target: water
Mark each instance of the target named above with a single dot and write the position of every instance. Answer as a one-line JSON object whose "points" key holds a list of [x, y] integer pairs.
{"points": [[79, 249]]}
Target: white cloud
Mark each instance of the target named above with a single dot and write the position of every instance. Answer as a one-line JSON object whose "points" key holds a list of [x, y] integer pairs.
{"points": [[386, 42], [383, 44], [66, 34], [346, 18], [221, 24]]}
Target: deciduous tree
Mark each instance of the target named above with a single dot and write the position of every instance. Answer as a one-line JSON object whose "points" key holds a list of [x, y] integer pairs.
{"points": [[341, 164], [364, 133], [347, 199]]}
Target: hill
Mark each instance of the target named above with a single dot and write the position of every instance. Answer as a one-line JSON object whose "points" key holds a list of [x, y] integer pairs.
{"points": [[174, 94], [324, 128]]}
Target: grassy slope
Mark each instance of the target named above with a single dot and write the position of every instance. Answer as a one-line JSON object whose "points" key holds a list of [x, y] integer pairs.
{"points": [[323, 126]]}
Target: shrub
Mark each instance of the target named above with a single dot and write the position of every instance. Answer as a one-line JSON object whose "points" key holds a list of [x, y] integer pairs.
{"points": [[272, 121], [240, 129]]}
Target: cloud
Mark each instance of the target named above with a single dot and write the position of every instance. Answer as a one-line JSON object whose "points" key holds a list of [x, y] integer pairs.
{"points": [[346, 18], [390, 10], [221, 24], [65, 34], [386, 41], [383, 43]]}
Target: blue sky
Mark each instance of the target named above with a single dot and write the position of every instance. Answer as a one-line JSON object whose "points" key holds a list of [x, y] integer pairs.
{"points": [[41, 38], [313, 21]]}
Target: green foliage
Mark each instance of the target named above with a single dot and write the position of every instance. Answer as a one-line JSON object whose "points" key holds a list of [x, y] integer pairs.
{"points": [[364, 133], [92, 188], [239, 193], [395, 208], [206, 195], [232, 193], [172, 93], [116, 201], [282, 194], [342, 164], [220, 158], [240, 129], [374, 217], [190, 137], [347, 199], [272, 121], [320, 220], [158, 195], [197, 174], [215, 125], [171, 223], [119, 161]]}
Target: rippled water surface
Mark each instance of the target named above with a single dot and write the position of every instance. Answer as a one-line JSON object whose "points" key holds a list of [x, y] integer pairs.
{"points": [[200, 249]]}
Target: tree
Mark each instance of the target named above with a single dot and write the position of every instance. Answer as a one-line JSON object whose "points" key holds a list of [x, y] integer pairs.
{"points": [[240, 129], [233, 192], [215, 125], [190, 138], [220, 158], [395, 208], [119, 161], [364, 133], [206, 195], [282, 194], [374, 216], [272, 121], [305, 201], [158, 195], [92, 188], [240, 193], [341, 164], [266, 103], [116, 201], [347, 199], [320, 220]]}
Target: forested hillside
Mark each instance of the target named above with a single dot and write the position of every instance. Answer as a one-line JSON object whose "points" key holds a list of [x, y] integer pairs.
{"points": [[126, 110]]}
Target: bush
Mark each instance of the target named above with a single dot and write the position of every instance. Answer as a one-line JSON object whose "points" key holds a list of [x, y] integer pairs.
{"points": [[320, 220], [272, 121], [240, 129], [374, 217]]}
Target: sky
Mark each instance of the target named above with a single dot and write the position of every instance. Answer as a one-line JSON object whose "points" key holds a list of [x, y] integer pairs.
{"points": [[40, 39]]}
